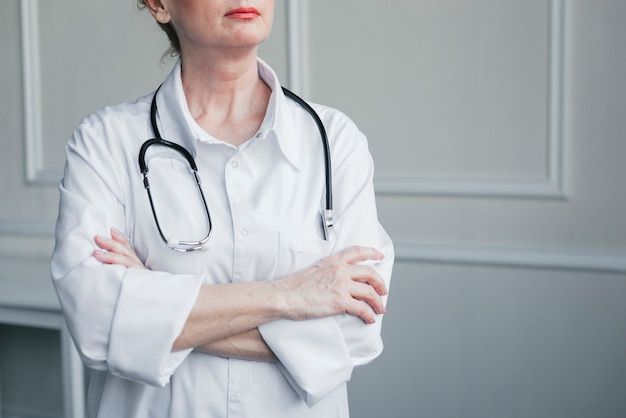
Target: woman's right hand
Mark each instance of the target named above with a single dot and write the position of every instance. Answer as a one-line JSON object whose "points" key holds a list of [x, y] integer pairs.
{"points": [[337, 284]]}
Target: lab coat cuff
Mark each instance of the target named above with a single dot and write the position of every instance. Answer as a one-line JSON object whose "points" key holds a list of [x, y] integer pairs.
{"points": [[312, 354], [151, 312]]}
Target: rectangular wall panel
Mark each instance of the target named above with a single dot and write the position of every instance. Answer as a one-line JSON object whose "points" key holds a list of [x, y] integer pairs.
{"points": [[472, 89]]}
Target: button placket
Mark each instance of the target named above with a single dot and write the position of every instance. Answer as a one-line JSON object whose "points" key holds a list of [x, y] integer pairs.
{"points": [[243, 232], [233, 189]]}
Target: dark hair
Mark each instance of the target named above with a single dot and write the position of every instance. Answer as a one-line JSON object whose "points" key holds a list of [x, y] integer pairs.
{"points": [[168, 28]]}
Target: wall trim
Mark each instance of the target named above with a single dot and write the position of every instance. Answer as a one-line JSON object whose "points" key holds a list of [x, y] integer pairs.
{"points": [[552, 186], [526, 258], [27, 229], [411, 252], [36, 173], [297, 46]]}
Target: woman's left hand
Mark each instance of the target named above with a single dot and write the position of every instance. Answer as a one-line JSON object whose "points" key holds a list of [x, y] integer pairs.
{"points": [[116, 250]]}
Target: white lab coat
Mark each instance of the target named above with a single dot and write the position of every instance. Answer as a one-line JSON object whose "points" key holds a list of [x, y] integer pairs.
{"points": [[265, 199]]}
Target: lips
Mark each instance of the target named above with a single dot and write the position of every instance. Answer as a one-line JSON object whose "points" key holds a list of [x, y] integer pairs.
{"points": [[245, 13]]}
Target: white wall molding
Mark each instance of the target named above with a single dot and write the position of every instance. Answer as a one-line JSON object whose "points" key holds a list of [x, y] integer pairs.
{"points": [[488, 187], [526, 258], [552, 186], [297, 46], [36, 173], [26, 229], [529, 257]]}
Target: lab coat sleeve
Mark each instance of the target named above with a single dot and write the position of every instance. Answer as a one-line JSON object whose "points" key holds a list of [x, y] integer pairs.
{"points": [[317, 356], [122, 320]]}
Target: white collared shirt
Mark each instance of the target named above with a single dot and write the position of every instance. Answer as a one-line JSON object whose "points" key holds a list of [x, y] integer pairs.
{"points": [[265, 199]]}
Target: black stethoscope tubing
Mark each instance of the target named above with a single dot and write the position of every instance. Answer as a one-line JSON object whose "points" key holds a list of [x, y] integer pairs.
{"points": [[327, 163], [327, 216]]}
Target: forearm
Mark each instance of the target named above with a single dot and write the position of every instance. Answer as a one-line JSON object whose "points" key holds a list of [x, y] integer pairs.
{"points": [[335, 285], [224, 318], [248, 345], [217, 324], [229, 311]]}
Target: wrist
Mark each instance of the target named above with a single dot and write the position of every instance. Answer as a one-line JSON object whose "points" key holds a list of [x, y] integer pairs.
{"points": [[280, 295]]}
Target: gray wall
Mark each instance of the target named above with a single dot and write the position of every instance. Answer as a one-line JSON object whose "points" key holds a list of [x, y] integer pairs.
{"points": [[499, 135]]}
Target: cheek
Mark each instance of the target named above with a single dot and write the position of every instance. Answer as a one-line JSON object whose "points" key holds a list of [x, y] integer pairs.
{"points": [[192, 14]]}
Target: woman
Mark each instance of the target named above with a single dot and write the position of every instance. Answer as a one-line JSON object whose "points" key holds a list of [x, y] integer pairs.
{"points": [[271, 318]]}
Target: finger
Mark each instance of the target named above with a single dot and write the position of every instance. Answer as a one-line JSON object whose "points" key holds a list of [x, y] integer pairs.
{"points": [[109, 257], [106, 257], [118, 250], [367, 294], [362, 310], [112, 245], [103, 242], [369, 276], [120, 237], [357, 254]]}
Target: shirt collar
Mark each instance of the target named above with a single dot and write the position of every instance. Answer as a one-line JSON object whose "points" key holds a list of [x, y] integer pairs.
{"points": [[177, 124], [173, 115], [279, 117]]}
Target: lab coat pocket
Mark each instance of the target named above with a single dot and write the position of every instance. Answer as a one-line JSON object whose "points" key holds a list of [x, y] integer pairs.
{"points": [[298, 251]]}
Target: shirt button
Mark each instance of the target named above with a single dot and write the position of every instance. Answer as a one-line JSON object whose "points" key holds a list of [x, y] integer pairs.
{"points": [[234, 164], [258, 135], [244, 232], [239, 395]]}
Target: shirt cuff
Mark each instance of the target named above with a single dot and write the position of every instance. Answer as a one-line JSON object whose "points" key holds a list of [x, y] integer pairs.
{"points": [[151, 312], [312, 354]]}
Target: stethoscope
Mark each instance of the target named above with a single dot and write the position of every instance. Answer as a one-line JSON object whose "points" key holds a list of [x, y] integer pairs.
{"points": [[187, 246]]}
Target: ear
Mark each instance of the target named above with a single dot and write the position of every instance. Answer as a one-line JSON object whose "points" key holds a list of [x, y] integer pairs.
{"points": [[159, 11]]}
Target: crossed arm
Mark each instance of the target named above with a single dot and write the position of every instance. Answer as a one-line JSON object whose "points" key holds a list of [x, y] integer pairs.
{"points": [[225, 318]]}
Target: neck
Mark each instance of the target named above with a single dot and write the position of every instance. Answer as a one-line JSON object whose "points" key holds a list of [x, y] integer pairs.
{"points": [[223, 91], [220, 72]]}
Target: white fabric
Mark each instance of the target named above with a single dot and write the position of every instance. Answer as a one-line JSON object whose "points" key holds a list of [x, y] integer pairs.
{"points": [[265, 199]]}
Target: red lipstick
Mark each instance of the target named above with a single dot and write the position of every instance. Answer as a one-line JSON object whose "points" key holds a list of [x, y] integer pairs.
{"points": [[245, 13]]}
